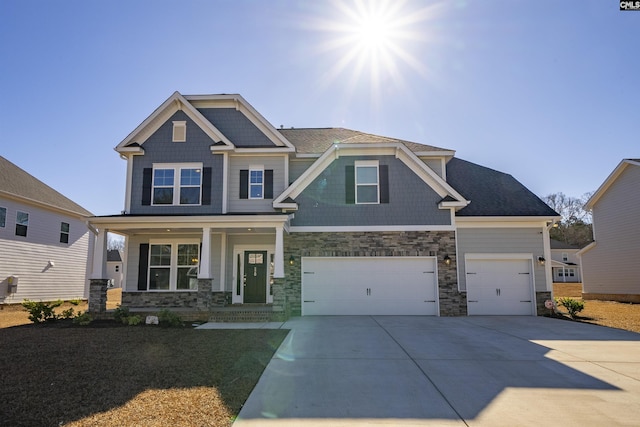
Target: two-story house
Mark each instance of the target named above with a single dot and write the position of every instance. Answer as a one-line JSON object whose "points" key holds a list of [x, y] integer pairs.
{"points": [[44, 240], [565, 262], [223, 209]]}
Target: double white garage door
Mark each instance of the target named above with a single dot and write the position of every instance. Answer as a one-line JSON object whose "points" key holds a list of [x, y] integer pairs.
{"points": [[369, 286], [409, 286]]}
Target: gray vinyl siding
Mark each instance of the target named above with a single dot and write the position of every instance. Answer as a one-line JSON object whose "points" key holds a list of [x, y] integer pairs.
{"points": [[297, 168], [503, 241], [236, 127], [411, 200], [611, 267], [159, 149], [435, 165], [238, 163], [28, 257]]}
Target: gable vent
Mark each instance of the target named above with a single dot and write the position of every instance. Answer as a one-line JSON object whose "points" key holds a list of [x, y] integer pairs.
{"points": [[179, 131]]}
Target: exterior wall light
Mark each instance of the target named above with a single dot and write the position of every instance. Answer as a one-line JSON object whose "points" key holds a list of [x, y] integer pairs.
{"points": [[541, 260], [447, 260], [292, 260]]}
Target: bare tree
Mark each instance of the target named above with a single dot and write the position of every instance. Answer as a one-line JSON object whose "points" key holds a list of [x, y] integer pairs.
{"points": [[115, 241], [575, 228]]}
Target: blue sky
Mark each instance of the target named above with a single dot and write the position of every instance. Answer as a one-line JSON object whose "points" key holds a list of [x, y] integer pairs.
{"points": [[547, 91]]}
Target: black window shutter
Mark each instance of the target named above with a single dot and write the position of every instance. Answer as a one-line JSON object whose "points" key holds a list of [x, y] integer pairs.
{"points": [[383, 170], [147, 174], [206, 186], [244, 184], [143, 263], [350, 184], [268, 184]]}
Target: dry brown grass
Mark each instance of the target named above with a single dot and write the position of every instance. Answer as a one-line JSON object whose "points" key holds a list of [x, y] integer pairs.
{"points": [[605, 313], [112, 375]]}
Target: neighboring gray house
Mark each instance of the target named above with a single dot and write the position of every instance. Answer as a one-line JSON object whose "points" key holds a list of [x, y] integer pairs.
{"points": [[225, 212], [565, 263], [44, 240], [610, 263]]}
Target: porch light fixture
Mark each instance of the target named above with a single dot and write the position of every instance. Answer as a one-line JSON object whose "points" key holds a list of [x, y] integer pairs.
{"points": [[447, 259], [541, 260], [292, 260]]}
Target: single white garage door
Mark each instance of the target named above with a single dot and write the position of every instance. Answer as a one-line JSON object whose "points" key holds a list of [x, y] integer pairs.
{"points": [[503, 287], [369, 285]]}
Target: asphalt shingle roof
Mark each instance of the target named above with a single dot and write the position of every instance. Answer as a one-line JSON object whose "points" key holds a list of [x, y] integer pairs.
{"points": [[493, 193], [17, 182], [557, 244], [319, 140]]}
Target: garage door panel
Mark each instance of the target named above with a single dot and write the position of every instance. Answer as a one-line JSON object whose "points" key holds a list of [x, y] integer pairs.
{"points": [[369, 285], [502, 287]]}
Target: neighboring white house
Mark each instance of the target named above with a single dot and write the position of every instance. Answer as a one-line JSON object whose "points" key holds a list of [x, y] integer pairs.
{"points": [[565, 263], [610, 264], [114, 268], [44, 240]]}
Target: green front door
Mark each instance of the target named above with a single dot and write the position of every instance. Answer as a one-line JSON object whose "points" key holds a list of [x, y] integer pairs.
{"points": [[255, 277]]}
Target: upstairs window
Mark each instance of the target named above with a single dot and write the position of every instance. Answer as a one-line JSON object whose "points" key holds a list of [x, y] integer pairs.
{"points": [[64, 232], [179, 132], [22, 223], [256, 183], [565, 256], [367, 182], [177, 184], [3, 217]]}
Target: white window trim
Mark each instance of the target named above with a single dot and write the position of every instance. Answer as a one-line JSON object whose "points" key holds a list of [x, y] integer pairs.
{"points": [[173, 266], [179, 133], [256, 168], [177, 167], [367, 163]]}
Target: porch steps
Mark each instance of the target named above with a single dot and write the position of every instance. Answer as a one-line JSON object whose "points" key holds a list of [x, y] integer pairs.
{"points": [[242, 313]]}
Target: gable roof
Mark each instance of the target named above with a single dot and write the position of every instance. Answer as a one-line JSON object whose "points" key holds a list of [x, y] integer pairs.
{"points": [[190, 104], [610, 180], [493, 193], [18, 184], [113, 255], [318, 140]]}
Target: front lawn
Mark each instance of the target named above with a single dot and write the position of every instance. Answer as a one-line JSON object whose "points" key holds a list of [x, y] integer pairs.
{"points": [[129, 376]]}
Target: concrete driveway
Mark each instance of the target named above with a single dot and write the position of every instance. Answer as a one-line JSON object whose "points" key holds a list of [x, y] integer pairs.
{"points": [[423, 371]]}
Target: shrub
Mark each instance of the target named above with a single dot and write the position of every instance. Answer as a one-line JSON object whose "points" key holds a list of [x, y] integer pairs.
{"points": [[121, 314], [82, 319], [75, 301], [573, 306], [134, 320], [168, 318], [68, 314], [41, 311]]}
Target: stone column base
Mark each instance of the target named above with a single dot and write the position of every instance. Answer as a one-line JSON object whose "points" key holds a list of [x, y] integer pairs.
{"points": [[98, 295]]}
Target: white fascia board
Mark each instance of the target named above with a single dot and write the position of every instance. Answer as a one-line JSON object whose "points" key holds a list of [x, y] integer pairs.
{"points": [[608, 182], [308, 155], [161, 114], [586, 249], [39, 204], [371, 228], [444, 153], [168, 222], [502, 222], [240, 104], [268, 150]]}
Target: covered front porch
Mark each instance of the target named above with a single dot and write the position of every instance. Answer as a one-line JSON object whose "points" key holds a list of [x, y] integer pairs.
{"points": [[192, 263]]}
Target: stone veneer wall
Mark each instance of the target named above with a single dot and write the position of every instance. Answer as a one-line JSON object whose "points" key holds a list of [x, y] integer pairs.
{"points": [[287, 291], [541, 297], [201, 300]]}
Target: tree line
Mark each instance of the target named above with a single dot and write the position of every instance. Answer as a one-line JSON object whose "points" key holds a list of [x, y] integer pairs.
{"points": [[576, 226]]}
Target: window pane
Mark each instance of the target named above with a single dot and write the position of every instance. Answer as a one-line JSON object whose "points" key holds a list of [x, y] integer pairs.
{"points": [[187, 278], [3, 217], [366, 175], [163, 177], [21, 230], [160, 255], [163, 196], [190, 176], [256, 177], [367, 194], [187, 255], [159, 278], [256, 191], [64, 227], [64, 237], [22, 218], [190, 195]]}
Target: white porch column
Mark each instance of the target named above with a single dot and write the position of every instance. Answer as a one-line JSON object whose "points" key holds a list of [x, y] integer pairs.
{"points": [[205, 255], [278, 271], [99, 267]]}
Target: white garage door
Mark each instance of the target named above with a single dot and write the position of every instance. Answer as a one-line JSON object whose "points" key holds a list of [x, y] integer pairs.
{"points": [[503, 287], [369, 285]]}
